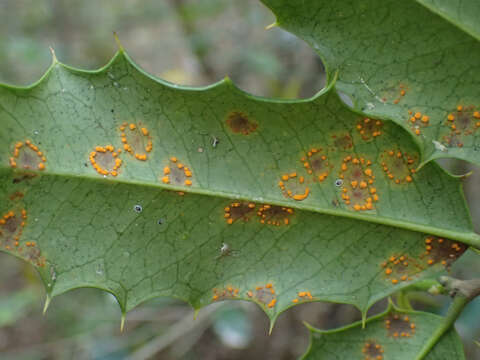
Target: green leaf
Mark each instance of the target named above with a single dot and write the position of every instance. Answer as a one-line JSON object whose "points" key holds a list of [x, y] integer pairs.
{"points": [[382, 339], [135, 236], [461, 13], [398, 58]]}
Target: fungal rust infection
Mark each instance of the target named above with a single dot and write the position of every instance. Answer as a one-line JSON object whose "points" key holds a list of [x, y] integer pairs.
{"points": [[240, 123]]}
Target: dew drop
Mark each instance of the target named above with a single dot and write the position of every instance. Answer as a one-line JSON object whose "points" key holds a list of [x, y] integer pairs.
{"points": [[138, 208], [35, 132], [338, 182]]}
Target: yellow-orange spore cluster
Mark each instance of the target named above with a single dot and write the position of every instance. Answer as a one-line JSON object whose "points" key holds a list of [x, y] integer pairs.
{"points": [[399, 326], [229, 292], [239, 211], [441, 250], [316, 164], [274, 215], [27, 156], [462, 122], [369, 128], [344, 141], [400, 268], [136, 140], [264, 294], [177, 173], [239, 123], [12, 224], [303, 296], [401, 93], [105, 160], [294, 186], [398, 166], [358, 190], [372, 350], [417, 121]]}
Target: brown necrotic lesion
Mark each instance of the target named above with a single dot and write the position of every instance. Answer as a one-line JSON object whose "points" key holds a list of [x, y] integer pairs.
{"points": [[240, 123], [399, 326], [372, 350], [275, 215], [27, 156], [358, 184], [398, 166], [12, 224], [177, 173], [239, 211], [462, 122], [136, 140]]}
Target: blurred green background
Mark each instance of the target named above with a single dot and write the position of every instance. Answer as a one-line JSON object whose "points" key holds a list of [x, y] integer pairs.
{"points": [[188, 42]]}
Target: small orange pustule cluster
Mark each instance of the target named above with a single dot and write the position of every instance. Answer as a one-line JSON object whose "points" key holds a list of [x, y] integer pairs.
{"points": [[440, 250], [177, 173], [264, 294], [358, 191], [372, 350], [229, 292], [274, 215], [292, 181], [402, 93], [136, 142], [238, 210], [12, 224], [462, 122], [369, 128], [16, 161], [316, 164], [108, 157], [304, 296], [397, 268], [398, 166], [10, 216], [399, 326], [417, 120]]}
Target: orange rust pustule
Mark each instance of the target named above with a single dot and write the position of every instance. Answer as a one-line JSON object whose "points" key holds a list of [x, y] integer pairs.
{"points": [[343, 142], [239, 123], [369, 129], [177, 173], [136, 140], [12, 225], [27, 156], [358, 190], [316, 164], [17, 195], [228, 292], [239, 211], [303, 296], [399, 326], [264, 294], [294, 186], [443, 251], [372, 350], [462, 123], [275, 215], [417, 121], [399, 268], [105, 160], [398, 166]]}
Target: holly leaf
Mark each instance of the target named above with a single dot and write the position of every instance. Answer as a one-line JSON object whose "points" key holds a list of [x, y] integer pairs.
{"points": [[116, 180], [414, 64], [393, 334]]}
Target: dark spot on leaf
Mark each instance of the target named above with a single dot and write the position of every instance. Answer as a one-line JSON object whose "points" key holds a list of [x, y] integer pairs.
{"points": [[239, 123], [399, 326]]}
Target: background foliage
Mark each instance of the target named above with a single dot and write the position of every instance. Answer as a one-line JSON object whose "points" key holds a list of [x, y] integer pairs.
{"points": [[186, 42]]}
